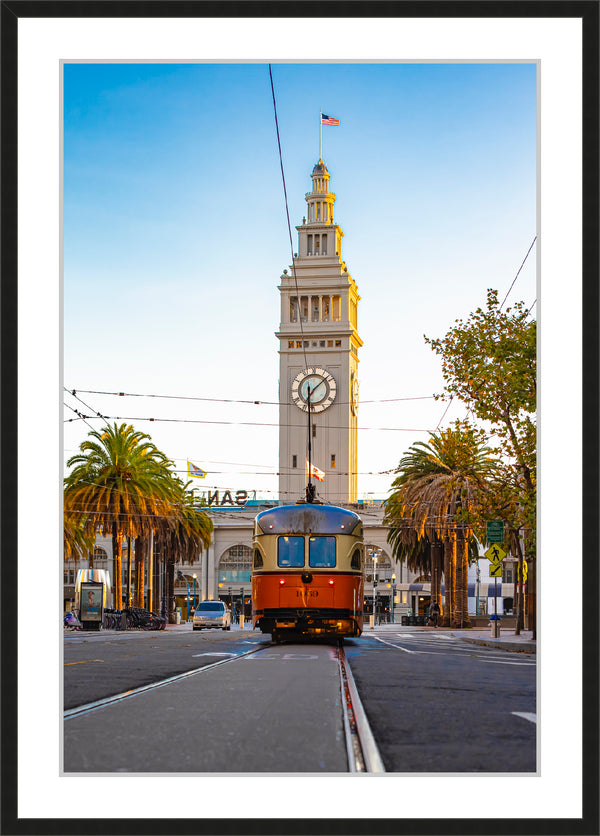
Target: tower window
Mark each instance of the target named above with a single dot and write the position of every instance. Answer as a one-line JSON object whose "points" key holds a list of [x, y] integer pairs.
{"points": [[304, 308], [298, 343], [333, 460], [322, 343], [324, 245], [335, 309], [314, 308], [338, 343], [294, 461], [290, 343], [329, 343], [294, 309], [314, 430], [309, 243], [325, 309]]}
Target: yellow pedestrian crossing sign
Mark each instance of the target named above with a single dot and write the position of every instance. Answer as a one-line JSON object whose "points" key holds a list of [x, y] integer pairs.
{"points": [[495, 554], [496, 570]]}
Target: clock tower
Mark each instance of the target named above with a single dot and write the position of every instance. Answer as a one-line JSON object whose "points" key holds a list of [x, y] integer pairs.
{"points": [[318, 351]]}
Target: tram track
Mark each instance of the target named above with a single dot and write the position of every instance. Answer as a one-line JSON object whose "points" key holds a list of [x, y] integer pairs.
{"points": [[142, 689], [361, 751], [363, 754]]}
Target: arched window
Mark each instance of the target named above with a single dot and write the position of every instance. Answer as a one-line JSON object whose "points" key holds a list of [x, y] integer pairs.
{"points": [[99, 556], [235, 565]]}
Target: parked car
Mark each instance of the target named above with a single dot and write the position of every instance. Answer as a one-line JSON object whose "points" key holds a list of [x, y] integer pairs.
{"points": [[211, 614]]}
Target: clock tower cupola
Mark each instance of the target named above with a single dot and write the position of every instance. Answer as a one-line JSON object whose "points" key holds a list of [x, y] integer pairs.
{"points": [[318, 349]]}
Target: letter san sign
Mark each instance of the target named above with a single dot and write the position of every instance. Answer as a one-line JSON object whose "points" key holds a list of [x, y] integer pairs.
{"points": [[225, 498]]}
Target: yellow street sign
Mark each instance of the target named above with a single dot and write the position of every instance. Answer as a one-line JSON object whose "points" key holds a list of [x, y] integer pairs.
{"points": [[496, 570], [495, 553]]}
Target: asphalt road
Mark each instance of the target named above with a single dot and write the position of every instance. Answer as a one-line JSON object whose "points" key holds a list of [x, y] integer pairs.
{"points": [[98, 665], [276, 711], [435, 704], [438, 704]]}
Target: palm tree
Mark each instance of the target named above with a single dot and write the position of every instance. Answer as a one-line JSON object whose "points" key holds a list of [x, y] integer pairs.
{"points": [[120, 481], [433, 501], [183, 535], [78, 540]]}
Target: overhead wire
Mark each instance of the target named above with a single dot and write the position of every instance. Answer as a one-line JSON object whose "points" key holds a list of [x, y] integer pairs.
{"points": [[236, 400], [80, 417], [518, 271], [287, 211], [243, 423], [98, 414]]}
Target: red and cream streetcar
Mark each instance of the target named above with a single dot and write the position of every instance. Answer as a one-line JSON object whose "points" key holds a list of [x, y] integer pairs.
{"points": [[307, 572]]}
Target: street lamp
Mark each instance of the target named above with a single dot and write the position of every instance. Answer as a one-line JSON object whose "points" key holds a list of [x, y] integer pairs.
{"points": [[393, 595], [374, 586], [194, 577]]}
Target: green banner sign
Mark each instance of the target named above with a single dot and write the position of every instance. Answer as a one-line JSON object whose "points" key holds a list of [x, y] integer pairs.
{"points": [[495, 531]]}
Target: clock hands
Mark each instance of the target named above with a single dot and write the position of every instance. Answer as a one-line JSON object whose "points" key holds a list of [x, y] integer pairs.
{"points": [[312, 391]]}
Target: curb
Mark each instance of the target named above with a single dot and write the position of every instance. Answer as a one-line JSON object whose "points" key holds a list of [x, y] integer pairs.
{"points": [[512, 647]]}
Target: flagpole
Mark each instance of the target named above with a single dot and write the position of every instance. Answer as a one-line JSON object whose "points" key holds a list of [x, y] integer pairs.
{"points": [[310, 490], [320, 134]]}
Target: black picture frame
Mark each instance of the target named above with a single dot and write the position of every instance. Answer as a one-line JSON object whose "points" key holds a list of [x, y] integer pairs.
{"points": [[13, 11]]}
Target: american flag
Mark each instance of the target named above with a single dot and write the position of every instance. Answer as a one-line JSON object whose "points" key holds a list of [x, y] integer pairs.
{"points": [[329, 120]]}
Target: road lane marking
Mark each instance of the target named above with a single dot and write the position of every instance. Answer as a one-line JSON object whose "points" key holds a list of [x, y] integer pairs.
{"points": [[526, 664], [263, 656], [298, 656], [526, 715], [397, 646], [83, 662], [194, 655]]}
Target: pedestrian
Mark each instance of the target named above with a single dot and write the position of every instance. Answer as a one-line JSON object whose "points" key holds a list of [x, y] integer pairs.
{"points": [[434, 613]]}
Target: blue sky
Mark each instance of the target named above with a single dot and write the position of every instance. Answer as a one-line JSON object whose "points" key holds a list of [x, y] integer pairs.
{"points": [[175, 236]]}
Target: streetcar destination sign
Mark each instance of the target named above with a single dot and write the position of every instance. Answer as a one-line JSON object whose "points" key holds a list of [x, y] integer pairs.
{"points": [[495, 531]]}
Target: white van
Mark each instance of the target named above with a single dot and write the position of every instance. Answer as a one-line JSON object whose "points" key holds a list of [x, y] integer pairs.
{"points": [[211, 614]]}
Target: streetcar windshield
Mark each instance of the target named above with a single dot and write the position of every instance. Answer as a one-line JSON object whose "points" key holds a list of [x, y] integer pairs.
{"points": [[290, 552], [321, 552]]}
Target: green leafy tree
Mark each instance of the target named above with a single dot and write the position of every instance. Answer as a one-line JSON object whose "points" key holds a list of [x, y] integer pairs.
{"points": [[433, 505], [489, 363]]}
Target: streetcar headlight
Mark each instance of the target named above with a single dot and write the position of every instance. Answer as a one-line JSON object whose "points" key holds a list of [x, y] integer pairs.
{"points": [[281, 581], [331, 581]]}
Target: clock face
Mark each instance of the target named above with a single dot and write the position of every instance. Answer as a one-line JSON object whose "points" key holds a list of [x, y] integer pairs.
{"points": [[319, 384]]}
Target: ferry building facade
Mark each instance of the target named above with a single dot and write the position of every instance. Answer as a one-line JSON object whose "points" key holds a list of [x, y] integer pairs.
{"points": [[318, 350]]}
